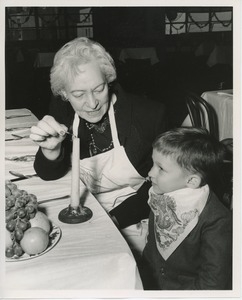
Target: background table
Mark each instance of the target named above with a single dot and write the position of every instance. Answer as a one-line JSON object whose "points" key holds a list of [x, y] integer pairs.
{"points": [[91, 255], [139, 53], [222, 102]]}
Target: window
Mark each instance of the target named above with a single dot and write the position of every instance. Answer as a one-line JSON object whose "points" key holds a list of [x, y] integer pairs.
{"points": [[188, 20], [48, 23]]}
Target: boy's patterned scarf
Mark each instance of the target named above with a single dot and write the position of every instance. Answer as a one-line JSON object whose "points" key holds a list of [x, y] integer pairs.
{"points": [[175, 215]]}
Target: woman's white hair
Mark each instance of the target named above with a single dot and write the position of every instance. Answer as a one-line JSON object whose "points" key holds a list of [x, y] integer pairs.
{"points": [[75, 53]]}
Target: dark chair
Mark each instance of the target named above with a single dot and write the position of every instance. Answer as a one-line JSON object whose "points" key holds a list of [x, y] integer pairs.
{"points": [[203, 115], [227, 197]]}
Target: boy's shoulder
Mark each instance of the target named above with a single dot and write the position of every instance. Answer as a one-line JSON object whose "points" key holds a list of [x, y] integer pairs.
{"points": [[215, 210]]}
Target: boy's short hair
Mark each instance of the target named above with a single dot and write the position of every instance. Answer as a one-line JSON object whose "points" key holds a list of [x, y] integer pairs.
{"points": [[194, 150]]}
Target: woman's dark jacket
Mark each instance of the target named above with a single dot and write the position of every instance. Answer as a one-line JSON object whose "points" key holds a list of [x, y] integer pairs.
{"points": [[138, 121], [203, 261]]}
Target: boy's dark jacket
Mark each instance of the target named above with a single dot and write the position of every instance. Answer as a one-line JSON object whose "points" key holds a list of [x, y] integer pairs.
{"points": [[203, 261], [138, 121]]}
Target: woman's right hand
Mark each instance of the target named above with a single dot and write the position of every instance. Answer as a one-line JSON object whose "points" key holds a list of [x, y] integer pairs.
{"points": [[49, 134]]}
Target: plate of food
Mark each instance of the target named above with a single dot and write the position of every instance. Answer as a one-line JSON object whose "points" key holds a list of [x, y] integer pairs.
{"points": [[29, 232], [54, 237]]}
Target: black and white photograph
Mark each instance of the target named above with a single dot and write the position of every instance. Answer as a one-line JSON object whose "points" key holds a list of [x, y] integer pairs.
{"points": [[120, 169]]}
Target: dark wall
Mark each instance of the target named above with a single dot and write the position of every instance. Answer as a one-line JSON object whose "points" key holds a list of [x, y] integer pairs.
{"points": [[116, 28], [129, 26]]}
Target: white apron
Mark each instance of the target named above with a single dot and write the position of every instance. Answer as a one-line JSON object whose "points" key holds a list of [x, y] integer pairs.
{"points": [[110, 176]]}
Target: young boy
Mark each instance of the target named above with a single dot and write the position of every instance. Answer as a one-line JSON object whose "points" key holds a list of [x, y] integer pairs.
{"points": [[190, 231]]}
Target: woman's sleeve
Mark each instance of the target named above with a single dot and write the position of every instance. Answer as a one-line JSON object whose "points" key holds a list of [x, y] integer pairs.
{"points": [[134, 208], [48, 169], [51, 170]]}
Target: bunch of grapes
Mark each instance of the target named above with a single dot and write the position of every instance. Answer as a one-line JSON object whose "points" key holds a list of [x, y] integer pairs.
{"points": [[20, 207]]}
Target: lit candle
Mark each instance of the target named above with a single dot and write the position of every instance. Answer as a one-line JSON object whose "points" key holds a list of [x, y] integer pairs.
{"points": [[75, 173]]}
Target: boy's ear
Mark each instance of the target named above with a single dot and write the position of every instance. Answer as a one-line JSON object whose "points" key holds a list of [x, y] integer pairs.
{"points": [[194, 181]]}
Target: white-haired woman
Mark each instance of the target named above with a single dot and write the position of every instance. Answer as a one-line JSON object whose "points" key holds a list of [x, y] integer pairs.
{"points": [[116, 130]]}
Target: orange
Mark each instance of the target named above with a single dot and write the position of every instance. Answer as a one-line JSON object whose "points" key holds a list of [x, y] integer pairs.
{"points": [[35, 240]]}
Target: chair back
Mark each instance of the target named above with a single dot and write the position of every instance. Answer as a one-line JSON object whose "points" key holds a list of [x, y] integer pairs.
{"points": [[202, 114]]}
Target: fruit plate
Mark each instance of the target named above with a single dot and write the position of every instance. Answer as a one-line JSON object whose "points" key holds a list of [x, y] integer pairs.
{"points": [[54, 237]]}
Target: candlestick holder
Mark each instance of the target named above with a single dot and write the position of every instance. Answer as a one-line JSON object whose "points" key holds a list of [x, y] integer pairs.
{"points": [[71, 215]]}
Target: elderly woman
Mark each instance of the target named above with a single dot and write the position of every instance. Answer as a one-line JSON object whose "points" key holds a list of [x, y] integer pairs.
{"points": [[116, 131]]}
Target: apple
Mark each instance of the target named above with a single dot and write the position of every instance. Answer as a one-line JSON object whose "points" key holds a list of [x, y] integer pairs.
{"points": [[41, 220]]}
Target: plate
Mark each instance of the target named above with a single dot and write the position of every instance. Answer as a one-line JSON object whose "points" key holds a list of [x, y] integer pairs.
{"points": [[54, 237]]}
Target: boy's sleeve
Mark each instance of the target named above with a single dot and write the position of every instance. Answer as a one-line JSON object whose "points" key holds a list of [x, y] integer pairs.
{"points": [[216, 258]]}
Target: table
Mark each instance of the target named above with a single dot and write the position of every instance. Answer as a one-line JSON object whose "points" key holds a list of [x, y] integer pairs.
{"points": [[222, 102], [139, 53], [44, 59], [19, 153], [221, 54], [89, 256], [216, 54]]}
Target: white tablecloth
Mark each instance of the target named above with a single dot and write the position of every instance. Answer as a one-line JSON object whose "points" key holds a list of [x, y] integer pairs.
{"points": [[44, 59], [222, 102], [139, 53], [19, 119], [221, 55], [17, 149], [89, 256]]}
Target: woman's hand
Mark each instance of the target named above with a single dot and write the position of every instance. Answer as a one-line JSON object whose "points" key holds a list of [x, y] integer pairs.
{"points": [[49, 134]]}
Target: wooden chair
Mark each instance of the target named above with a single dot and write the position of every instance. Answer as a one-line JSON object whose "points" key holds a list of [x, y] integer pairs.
{"points": [[202, 113]]}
